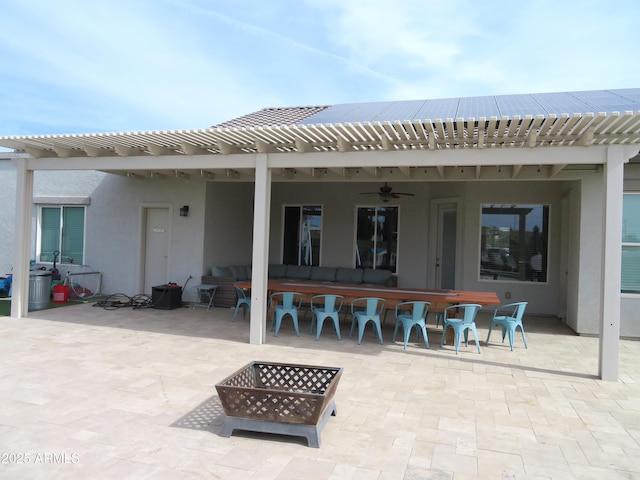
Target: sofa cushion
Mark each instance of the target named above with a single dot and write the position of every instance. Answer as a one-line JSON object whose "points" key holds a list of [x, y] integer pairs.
{"points": [[238, 271], [277, 270], [323, 274], [248, 271], [376, 277], [299, 272], [349, 275], [220, 272]]}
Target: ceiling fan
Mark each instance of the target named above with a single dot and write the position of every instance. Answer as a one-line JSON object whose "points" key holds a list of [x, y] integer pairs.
{"points": [[385, 193]]}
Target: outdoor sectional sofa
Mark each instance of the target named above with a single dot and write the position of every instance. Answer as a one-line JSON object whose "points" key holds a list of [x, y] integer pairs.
{"points": [[226, 277]]}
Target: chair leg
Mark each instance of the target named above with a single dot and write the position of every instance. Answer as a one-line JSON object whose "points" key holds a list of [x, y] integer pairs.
{"points": [[395, 331], [294, 315], [523, 337], [458, 339], [424, 334], [320, 324], [510, 331], [444, 335], [336, 324], [361, 326], [313, 322], [278, 319], [475, 335], [489, 334], [379, 331], [407, 334]]}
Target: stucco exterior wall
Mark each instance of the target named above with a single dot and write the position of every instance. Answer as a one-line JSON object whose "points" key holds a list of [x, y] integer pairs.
{"points": [[228, 224], [114, 232]]}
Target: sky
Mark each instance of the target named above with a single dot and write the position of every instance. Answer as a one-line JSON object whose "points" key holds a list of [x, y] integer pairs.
{"points": [[79, 66]]}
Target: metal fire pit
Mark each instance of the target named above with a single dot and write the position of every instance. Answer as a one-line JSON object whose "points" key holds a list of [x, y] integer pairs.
{"points": [[279, 398]]}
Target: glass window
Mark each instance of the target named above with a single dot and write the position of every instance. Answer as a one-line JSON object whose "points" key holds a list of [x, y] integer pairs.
{"points": [[377, 238], [302, 235], [513, 243], [62, 230], [631, 243]]}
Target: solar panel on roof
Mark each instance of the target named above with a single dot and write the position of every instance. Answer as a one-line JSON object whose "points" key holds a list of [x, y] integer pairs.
{"points": [[559, 103], [404, 110], [522, 105], [478, 107], [607, 101], [630, 94], [486, 106], [438, 109]]}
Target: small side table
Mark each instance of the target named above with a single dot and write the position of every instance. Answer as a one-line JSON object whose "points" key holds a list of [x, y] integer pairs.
{"points": [[205, 295]]}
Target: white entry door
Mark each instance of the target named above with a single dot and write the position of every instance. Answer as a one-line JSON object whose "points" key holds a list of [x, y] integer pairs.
{"points": [[156, 247], [447, 240]]}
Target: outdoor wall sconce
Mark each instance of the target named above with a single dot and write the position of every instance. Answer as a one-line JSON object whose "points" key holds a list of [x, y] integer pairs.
{"points": [[184, 211]]}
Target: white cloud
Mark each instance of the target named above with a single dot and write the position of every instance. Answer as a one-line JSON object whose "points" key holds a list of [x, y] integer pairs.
{"points": [[120, 65]]}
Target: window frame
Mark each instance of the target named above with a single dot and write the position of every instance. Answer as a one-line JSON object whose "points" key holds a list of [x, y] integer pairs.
{"points": [[62, 259], [624, 244]]}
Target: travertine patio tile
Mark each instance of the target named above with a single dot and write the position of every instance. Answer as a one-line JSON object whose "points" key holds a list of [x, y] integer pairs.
{"points": [[445, 458], [114, 386]]}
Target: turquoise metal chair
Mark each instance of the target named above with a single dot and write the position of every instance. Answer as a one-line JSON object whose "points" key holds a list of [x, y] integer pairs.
{"points": [[415, 315], [461, 322], [365, 310], [243, 302], [323, 307], [509, 321], [285, 303]]}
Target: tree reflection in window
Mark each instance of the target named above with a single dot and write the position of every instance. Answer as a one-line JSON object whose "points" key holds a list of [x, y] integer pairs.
{"points": [[302, 235], [377, 238], [514, 242]]}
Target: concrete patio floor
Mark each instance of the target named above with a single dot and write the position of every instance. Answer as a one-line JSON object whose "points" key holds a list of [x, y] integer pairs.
{"points": [[87, 392]]}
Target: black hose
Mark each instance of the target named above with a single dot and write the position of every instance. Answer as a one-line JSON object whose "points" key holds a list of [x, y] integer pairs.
{"points": [[120, 300]]}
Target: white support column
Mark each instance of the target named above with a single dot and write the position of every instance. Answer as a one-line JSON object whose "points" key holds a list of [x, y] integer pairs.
{"points": [[260, 258], [22, 240], [611, 264]]}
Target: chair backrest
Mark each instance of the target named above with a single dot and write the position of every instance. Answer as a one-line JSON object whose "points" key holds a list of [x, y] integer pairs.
{"points": [[418, 310], [241, 293], [332, 303], [518, 310], [372, 305], [469, 311], [287, 300]]}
